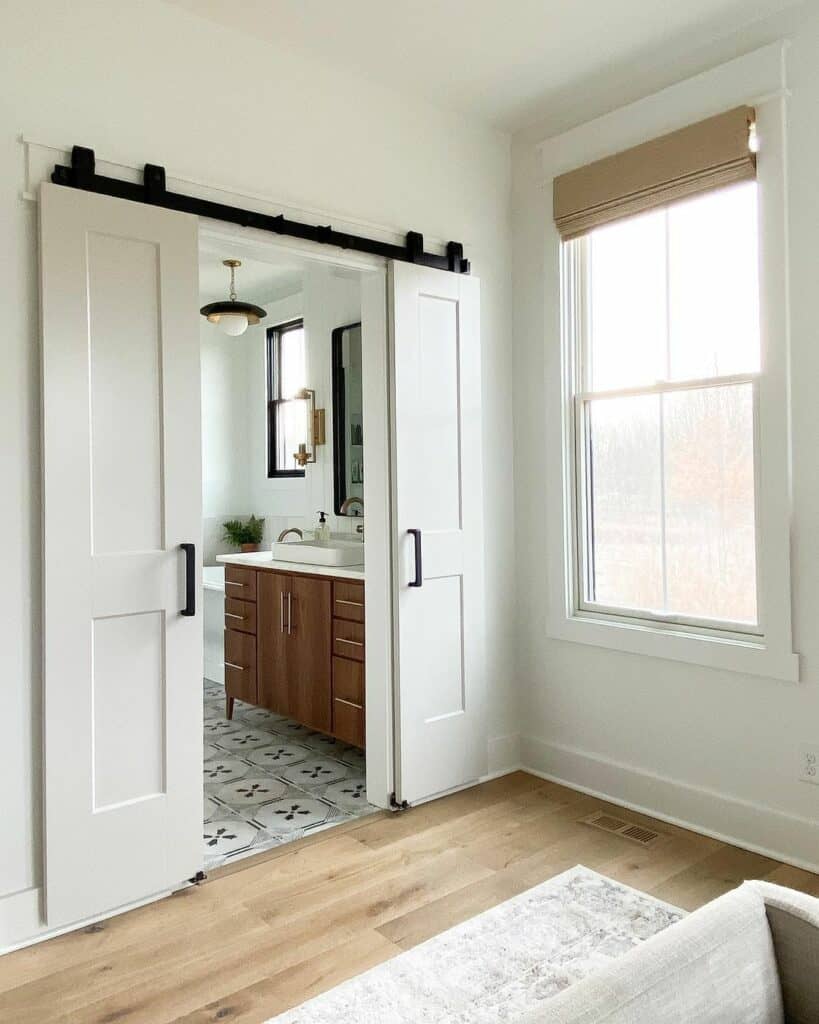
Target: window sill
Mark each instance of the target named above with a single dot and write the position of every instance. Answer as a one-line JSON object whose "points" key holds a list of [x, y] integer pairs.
{"points": [[751, 657]]}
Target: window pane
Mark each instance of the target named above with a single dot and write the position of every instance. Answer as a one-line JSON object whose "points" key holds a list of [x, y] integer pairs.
{"points": [[714, 284], [625, 502], [292, 362], [671, 497], [628, 302], [291, 431], [710, 522]]}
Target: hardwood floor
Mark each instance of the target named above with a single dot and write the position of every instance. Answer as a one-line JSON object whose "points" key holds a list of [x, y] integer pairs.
{"points": [[265, 934]]}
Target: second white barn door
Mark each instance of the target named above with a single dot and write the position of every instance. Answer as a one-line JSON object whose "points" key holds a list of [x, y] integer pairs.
{"points": [[122, 492], [438, 518]]}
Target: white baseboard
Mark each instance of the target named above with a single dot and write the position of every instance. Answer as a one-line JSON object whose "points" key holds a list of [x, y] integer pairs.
{"points": [[755, 827]]}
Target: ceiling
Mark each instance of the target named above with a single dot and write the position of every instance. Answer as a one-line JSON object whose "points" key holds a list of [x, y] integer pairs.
{"points": [[502, 61], [256, 281]]}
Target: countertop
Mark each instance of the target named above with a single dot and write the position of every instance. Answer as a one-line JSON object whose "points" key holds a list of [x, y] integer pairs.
{"points": [[265, 560]]}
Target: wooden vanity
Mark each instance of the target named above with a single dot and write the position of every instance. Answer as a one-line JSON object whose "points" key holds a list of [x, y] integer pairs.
{"points": [[294, 643]]}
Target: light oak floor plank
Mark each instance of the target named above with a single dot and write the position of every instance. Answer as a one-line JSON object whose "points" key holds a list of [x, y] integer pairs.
{"points": [[266, 933]]}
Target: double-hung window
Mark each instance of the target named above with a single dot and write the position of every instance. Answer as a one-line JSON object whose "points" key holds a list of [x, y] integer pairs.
{"points": [[667, 357], [671, 400], [286, 376]]}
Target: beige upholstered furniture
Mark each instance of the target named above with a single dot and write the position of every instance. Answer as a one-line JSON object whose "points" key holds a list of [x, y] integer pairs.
{"points": [[750, 957]]}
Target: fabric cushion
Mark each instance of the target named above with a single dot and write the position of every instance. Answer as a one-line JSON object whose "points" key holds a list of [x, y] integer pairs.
{"points": [[793, 918], [716, 966]]}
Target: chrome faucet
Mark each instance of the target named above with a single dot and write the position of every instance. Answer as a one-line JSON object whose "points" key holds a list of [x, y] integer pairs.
{"points": [[290, 529], [352, 500]]}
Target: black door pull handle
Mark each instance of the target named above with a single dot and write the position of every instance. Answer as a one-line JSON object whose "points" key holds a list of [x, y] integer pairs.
{"points": [[190, 579], [419, 570]]}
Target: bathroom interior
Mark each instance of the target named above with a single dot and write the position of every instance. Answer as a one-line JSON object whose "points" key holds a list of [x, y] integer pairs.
{"points": [[283, 549]]}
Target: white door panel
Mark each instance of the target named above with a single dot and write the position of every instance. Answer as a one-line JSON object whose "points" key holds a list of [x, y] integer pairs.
{"points": [[440, 684], [122, 491]]}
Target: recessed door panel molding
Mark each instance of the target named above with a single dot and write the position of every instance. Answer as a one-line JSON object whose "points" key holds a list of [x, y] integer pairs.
{"points": [[128, 697], [439, 578], [122, 490], [126, 394]]}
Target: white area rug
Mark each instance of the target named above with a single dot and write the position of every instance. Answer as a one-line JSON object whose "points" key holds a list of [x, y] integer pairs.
{"points": [[501, 963]]}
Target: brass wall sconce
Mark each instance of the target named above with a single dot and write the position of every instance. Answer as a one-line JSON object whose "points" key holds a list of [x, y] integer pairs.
{"points": [[315, 429]]}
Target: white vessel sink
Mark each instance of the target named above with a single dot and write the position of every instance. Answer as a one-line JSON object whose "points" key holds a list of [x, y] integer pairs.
{"points": [[310, 552]]}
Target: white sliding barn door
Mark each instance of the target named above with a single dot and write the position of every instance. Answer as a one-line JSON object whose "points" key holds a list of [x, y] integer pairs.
{"points": [[122, 490], [439, 684]]}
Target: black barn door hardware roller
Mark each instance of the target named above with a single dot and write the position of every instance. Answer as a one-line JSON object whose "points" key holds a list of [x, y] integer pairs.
{"points": [[82, 174]]}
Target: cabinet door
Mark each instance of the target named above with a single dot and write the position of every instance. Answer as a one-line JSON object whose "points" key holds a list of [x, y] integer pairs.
{"points": [[271, 626], [308, 651]]}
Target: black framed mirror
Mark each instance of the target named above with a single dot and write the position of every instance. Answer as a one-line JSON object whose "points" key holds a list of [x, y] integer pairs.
{"points": [[348, 422]]}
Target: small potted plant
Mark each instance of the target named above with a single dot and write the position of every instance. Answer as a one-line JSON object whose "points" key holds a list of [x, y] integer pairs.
{"points": [[246, 535]]}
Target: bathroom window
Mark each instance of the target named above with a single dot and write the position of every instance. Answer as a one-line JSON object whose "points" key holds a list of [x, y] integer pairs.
{"points": [[286, 376], [666, 349]]}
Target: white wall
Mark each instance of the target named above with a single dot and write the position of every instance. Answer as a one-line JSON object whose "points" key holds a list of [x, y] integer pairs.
{"points": [[234, 415], [148, 82], [225, 465], [717, 749]]}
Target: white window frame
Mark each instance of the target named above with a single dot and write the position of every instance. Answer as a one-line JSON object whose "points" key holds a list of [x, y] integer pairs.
{"points": [[766, 649]]}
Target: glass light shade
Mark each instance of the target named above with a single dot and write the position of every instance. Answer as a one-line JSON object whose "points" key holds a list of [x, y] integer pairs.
{"points": [[233, 324]]}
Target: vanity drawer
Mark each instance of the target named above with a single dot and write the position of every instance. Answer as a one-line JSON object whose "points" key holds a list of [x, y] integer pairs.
{"points": [[240, 615], [240, 582], [348, 723], [348, 600], [348, 639], [240, 665], [348, 680]]}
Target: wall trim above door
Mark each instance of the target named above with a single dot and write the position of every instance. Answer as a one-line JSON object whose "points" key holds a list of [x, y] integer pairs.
{"points": [[81, 174]]}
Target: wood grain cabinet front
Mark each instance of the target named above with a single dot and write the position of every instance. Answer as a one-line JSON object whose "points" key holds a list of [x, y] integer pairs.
{"points": [[294, 647], [240, 668], [294, 644]]}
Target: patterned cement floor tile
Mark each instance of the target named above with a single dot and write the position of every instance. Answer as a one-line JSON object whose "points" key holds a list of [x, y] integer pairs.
{"points": [[324, 746], [211, 808], [251, 790], [354, 757], [293, 814], [318, 771], [350, 794], [243, 740], [224, 836], [218, 727], [266, 777], [277, 757], [225, 769]]}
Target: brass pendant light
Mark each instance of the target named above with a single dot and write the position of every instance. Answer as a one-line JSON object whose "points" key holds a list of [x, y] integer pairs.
{"points": [[233, 317]]}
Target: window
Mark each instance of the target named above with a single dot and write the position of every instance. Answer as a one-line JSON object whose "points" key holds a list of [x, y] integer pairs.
{"points": [[286, 376], [666, 356]]}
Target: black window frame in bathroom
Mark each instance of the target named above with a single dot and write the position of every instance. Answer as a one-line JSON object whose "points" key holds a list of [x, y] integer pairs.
{"points": [[274, 398]]}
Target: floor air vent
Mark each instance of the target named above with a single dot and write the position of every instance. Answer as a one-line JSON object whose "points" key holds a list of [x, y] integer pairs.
{"points": [[618, 826]]}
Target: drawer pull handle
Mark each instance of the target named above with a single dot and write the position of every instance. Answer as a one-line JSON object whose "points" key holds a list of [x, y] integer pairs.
{"points": [[229, 664], [349, 703], [230, 615], [233, 583], [353, 643], [355, 604]]}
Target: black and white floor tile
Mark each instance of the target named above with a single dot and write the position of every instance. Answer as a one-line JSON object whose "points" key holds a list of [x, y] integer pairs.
{"points": [[269, 780]]}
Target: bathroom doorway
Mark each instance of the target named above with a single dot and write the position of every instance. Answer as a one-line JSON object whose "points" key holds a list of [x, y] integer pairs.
{"points": [[283, 460]]}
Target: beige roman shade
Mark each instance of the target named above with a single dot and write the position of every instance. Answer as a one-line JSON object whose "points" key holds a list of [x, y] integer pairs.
{"points": [[698, 158]]}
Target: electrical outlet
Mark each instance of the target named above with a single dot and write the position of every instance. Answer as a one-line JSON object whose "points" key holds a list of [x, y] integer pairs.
{"points": [[809, 764]]}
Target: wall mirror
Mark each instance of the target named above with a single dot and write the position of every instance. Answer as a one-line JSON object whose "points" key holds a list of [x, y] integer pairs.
{"points": [[348, 428]]}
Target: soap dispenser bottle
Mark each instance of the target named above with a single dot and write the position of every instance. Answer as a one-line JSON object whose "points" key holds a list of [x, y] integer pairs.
{"points": [[322, 532]]}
